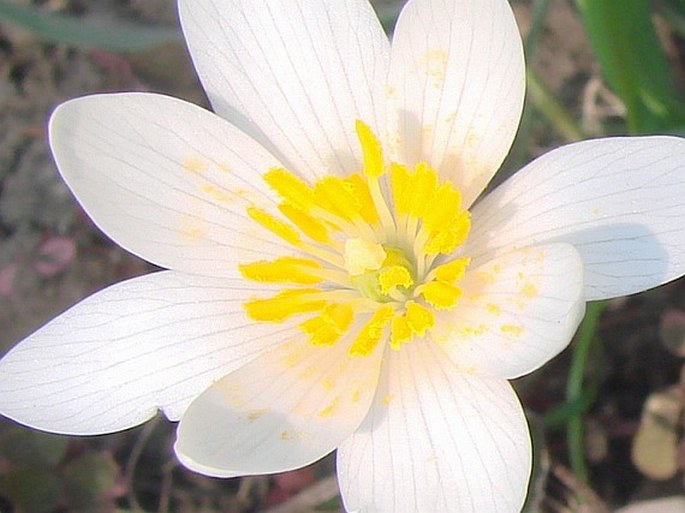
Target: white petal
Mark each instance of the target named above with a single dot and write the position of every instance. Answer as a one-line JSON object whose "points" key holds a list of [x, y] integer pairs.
{"points": [[165, 179], [436, 441], [282, 411], [517, 311], [295, 74], [151, 342], [457, 82], [619, 201]]}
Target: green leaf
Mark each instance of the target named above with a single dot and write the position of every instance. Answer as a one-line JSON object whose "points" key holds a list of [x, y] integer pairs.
{"points": [[88, 32], [624, 40]]}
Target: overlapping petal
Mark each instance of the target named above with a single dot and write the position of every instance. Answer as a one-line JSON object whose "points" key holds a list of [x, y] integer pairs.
{"points": [[152, 342], [166, 180], [285, 409], [295, 74], [619, 201], [517, 312], [456, 88], [436, 440]]}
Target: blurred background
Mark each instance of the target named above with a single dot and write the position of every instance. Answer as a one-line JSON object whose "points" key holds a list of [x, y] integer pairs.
{"points": [[607, 415]]}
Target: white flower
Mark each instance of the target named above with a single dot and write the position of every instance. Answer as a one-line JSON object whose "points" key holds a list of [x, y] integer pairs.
{"points": [[332, 282]]}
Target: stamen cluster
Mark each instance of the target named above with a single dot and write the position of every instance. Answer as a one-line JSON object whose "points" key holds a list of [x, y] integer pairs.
{"points": [[374, 251]]}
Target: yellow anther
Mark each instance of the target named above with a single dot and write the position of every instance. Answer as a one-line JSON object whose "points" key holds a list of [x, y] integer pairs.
{"points": [[337, 197], [310, 226], [371, 333], [440, 294], [399, 184], [419, 318], [282, 270], [394, 276], [291, 188], [283, 305], [444, 207], [360, 188], [400, 331], [362, 256], [423, 183], [452, 271], [372, 153], [327, 328], [450, 237], [274, 225]]}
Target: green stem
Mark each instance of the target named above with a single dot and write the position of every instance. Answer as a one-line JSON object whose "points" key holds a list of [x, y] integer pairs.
{"points": [[552, 110], [574, 389]]}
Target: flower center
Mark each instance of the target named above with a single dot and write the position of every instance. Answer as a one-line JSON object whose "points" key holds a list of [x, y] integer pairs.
{"points": [[375, 254]]}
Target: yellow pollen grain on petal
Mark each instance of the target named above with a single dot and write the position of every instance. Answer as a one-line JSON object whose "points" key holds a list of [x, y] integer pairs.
{"points": [[283, 305], [326, 328], [195, 164], [310, 226], [400, 331], [394, 276], [511, 329], [529, 291], [419, 318], [291, 188], [493, 308], [372, 153], [452, 271], [329, 410], [371, 333], [363, 255], [440, 294], [282, 270], [274, 225]]}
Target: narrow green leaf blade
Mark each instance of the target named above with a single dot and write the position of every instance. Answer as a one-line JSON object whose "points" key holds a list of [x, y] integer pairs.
{"points": [[89, 32]]}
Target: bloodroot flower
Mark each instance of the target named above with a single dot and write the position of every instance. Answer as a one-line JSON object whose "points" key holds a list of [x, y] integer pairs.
{"points": [[335, 279]]}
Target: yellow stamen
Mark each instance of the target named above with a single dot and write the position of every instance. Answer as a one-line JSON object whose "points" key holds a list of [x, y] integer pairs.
{"points": [[444, 206], [367, 208], [423, 183], [440, 294], [282, 270], [310, 226], [274, 225], [419, 318], [394, 276], [337, 197], [284, 304], [451, 271], [291, 188], [371, 332], [400, 331], [327, 328], [372, 154]]}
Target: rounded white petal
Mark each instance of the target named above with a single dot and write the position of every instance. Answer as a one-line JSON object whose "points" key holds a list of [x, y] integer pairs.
{"points": [[295, 74], [517, 311], [283, 410], [436, 441], [111, 361], [165, 179], [456, 88], [619, 201]]}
